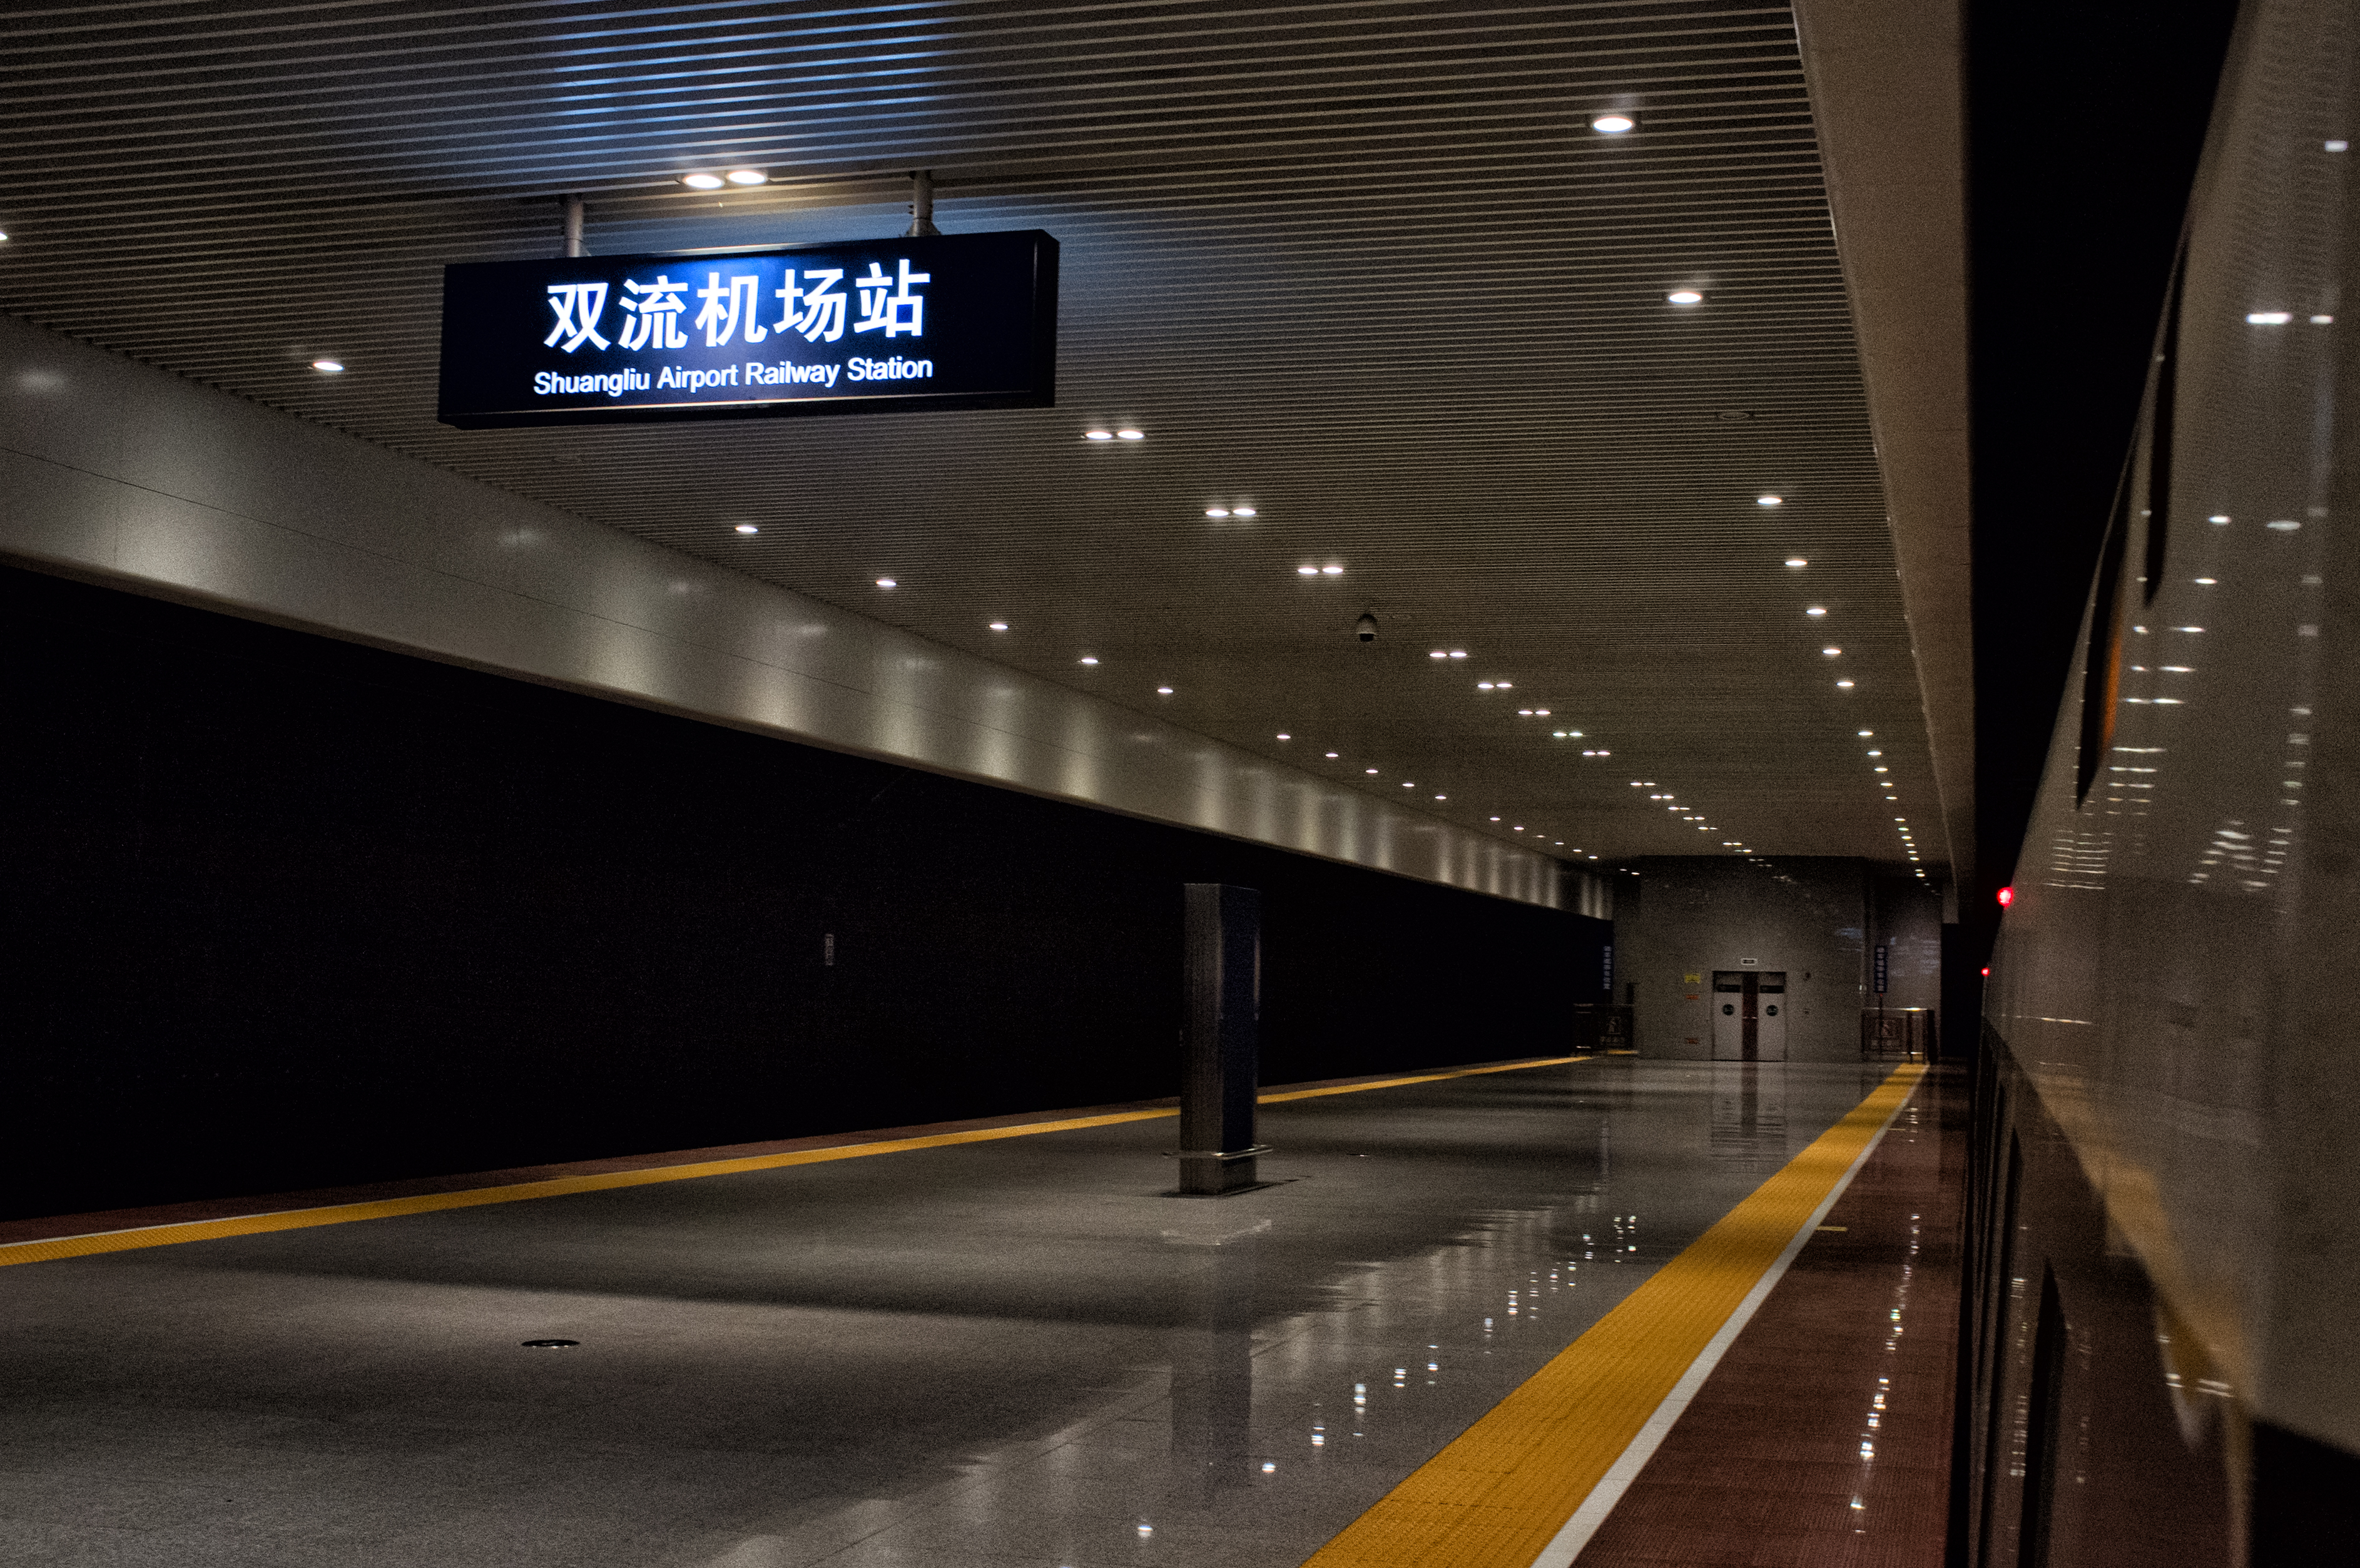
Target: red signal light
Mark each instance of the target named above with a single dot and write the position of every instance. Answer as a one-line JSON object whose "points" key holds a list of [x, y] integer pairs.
{"points": [[1986, 972], [2006, 896]]}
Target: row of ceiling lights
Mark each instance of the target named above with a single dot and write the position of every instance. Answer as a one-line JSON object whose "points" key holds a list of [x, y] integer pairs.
{"points": [[1334, 569]]}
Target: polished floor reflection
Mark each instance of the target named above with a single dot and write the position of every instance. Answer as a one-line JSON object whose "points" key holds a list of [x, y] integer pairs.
{"points": [[1012, 1352]]}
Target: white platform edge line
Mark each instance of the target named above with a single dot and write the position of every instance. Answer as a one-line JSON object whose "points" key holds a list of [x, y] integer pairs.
{"points": [[1567, 1544]]}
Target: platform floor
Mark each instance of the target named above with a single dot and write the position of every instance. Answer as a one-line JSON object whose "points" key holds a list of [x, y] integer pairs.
{"points": [[1014, 1351]]}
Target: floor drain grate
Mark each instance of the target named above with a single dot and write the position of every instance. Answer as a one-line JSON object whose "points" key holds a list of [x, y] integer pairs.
{"points": [[551, 1344]]}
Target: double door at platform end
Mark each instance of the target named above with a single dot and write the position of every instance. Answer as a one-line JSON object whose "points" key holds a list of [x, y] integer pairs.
{"points": [[1748, 1014]]}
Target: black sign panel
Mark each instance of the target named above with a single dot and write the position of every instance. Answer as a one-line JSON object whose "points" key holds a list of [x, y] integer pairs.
{"points": [[1880, 971], [949, 320]]}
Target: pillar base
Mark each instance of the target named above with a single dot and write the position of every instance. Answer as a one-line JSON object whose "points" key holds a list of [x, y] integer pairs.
{"points": [[1216, 1175]]}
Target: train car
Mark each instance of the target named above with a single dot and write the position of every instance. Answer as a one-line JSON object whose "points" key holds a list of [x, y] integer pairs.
{"points": [[2163, 1365]]}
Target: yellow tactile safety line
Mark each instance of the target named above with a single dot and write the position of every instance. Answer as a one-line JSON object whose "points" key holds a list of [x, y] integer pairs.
{"points": [[517, 1192], [1505, 1487]]}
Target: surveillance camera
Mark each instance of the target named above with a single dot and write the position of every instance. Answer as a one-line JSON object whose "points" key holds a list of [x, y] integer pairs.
{"points": [[1366, 627]]}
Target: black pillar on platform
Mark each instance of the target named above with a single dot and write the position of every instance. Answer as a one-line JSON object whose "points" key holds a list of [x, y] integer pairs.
{"points": [[1219, 1075]]}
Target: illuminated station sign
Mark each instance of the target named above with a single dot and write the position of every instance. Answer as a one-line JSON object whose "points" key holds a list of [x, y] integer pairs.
{"points": [[883, 326]]}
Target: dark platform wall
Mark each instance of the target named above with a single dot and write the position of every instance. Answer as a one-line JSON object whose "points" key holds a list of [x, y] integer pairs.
{"points": [[282, 912]]}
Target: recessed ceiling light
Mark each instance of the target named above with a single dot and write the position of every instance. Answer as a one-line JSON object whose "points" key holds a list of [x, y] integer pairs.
{"points": [[1442, 797], [1088, 659], [1286, 736], [1409, 786], [1127, 433], [2208, 582], [702, 181], [1832, 652], [329, 367], [1866, 731], [746, 177], [1306, 571], [1333, 755], [1482, 686], [1685, 297], [887, 583], [2322, 321], [1244, 511], [1796, 561], [1097, 435], [2268, 318], [1495, 819], [2218, 517], [1614, 123], [1817, 609], [1438, 654], [747, 528], [1368, 770], [1459, 652], [1000, 626], [1844, 686], [1769, 501], [1163, 691], [1332, 571], [1217, 511], [1523, 713]]}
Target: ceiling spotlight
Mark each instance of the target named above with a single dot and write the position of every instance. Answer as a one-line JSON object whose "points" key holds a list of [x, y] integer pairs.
{"points": [[1844, 686], [1817, 609], [1000, 626], [1306, 571], [1368, 770], [1333, 755], [1088, 659], [329, 367], [747, 528], [1407, 785], [1442, 797], [1796, 561], [1685, 297], [1097, 435], [1459, 652], [1438, 654], [1245, 511], [1286, 736], [887, 583], [1163, 691], [2268, 318], [1217, 511], [746, 177], [702, 181], [1769, 501], [1482, 686], [1865, 732], [1614, 122], [1128, 434], [1495, 819], [1332, 571], [1832, 652]]}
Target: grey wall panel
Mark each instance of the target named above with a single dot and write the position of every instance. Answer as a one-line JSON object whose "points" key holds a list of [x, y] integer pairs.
{"points": [[1814, 919], [123, 473]]}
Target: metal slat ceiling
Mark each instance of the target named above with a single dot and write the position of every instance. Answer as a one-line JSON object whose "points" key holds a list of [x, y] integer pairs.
{"points": [[1362, 267]]}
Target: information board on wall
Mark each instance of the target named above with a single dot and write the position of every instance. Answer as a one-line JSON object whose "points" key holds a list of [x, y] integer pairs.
{"points": [[880, 327]]}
